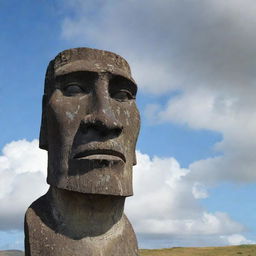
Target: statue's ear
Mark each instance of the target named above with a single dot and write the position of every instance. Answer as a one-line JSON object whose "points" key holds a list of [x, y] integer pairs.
{"points": [[43, 143]]}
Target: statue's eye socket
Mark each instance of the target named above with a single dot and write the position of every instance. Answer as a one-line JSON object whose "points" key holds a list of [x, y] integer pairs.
{"points": [[73, 89], [122, 95]]}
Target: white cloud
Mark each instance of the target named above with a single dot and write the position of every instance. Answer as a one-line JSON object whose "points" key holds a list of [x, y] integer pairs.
{"points": [[22, 180], [165, 203], [173, 44], [230, 116], [199, 190], [237, 239]]}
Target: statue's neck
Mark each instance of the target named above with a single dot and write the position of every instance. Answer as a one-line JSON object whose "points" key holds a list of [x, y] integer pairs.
{"points": [[85, 214]]}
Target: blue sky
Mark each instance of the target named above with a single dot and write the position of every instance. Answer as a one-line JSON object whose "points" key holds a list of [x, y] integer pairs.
{"points": [[194, 63]]}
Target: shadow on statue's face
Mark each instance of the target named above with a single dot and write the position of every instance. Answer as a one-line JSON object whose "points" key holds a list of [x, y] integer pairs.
{"points": [[92, 125]]}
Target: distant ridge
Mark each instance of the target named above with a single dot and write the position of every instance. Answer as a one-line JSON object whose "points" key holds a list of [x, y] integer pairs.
{"points": [[11, 253]]}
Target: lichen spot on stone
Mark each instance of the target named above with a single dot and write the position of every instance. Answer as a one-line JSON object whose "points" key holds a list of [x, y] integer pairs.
{"points": [[70, 115]]}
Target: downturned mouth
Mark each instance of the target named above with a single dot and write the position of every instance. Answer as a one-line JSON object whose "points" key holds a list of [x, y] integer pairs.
{"points": [[99, 153]]}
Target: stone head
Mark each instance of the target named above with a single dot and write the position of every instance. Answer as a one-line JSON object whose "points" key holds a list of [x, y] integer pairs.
{"points": [[90, 122]]}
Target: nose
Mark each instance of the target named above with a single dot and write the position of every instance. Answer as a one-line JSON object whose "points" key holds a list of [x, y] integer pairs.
{"points": [[102, 120]]}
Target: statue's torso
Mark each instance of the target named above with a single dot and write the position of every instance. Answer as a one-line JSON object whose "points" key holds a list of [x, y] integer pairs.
{"points": [[43, 239]]}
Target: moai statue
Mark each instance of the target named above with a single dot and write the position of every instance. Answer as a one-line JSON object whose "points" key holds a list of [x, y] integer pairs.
{"points": [[90, 125]]}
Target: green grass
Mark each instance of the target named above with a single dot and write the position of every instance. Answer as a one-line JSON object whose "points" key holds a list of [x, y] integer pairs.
{"points": [[241, 250]]}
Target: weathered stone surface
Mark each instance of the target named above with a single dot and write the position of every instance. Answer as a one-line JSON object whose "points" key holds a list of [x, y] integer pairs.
{"points": [[90, 125]]}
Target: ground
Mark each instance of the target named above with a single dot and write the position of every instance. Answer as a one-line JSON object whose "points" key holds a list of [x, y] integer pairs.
{"points": [[241, 250]]}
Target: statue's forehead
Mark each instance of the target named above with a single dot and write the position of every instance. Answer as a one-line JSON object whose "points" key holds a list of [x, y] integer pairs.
{"points": [[92, 60]]}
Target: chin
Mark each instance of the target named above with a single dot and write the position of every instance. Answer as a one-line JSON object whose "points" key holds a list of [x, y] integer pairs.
{"points": [[95, 176]]}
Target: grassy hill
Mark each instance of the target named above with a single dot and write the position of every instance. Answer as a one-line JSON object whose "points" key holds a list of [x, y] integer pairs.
{"points": [[241, 250]]}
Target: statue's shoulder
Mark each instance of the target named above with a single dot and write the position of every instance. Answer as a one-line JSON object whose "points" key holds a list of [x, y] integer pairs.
{"points": [[40, 203], [39, 211]]}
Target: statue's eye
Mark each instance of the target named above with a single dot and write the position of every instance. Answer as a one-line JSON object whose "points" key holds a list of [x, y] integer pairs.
{"points": [[73, 89], [122, 95]]}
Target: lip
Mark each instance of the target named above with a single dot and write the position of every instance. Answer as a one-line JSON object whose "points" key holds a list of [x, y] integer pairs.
{"points": [[107, 154]]}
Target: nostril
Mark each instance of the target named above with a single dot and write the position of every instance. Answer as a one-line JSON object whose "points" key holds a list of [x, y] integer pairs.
{"points": [[103, 129], [110, 132], [117, 131]]}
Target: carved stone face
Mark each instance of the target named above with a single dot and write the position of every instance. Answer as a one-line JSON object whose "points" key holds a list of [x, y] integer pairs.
{"points": [[90, 122]]}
